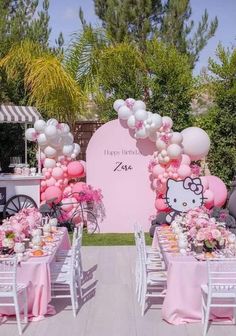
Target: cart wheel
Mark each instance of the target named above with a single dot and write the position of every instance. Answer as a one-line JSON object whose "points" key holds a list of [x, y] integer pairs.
{"points": [[16, 203]]}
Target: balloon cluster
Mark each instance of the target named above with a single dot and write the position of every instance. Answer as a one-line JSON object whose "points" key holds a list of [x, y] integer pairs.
{"points": [[55, 141], [175, 151], [60, 169]]}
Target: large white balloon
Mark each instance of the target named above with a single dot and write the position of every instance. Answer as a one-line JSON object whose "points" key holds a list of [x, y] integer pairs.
{"points": [[160, 144], [39, 125], [176, 138], [174, 151], [49, 163], [141, 133], [118, 103], [68, 139], [156, 121], [124, 112], [50, 131], [139, 105], [30, 134], [52, 122], [50, 152], [67, 150], [196, 143], [131, 121], [42, 140], [141, 115], [56, 142], [64, 128]]}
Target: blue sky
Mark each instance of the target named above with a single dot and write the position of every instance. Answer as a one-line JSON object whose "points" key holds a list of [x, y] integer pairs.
{"points": [[65, 18]]}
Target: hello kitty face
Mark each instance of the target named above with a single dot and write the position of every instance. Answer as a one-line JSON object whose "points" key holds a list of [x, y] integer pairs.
{"points": [[184, 195]]}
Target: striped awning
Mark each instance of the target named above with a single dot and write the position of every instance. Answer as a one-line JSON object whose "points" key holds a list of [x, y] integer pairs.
{"points": [[18, 114]]}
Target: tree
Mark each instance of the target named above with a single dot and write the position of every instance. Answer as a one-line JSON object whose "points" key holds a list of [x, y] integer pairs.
{"points": [[140, 20], [48, 84], [220, 121], [21, 19]]}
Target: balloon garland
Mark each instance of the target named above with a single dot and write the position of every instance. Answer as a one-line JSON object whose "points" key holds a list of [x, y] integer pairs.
{"points": [[60, 169], [175, 151]]}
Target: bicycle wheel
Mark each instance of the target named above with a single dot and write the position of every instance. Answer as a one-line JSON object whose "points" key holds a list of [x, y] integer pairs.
{"points": [[17, 203], [88, 219]]}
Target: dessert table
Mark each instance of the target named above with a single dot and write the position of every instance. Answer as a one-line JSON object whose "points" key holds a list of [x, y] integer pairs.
{"points": [[185, 275], [35, 272]]}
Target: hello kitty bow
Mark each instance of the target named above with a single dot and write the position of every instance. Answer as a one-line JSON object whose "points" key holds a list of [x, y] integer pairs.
{"points": [[194, 185]]}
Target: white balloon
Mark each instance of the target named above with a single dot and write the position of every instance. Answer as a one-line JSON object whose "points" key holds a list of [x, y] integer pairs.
{"points": [[124, 112], [141, 115], [56, 142], [176, 138], [76, 149], [141, 133], [39, 125], [73, 156], [64, 128], [174, 151], [167, 121], [49, 163], [50, 131], [42, 140], [67, 150], [50, 152], [131, 121], [68, 139], [139, 105], [156, 121], [160, 144], [129, 102], [52, 122], [153, 136], [118, 103], [196, 143], [30, 134]]}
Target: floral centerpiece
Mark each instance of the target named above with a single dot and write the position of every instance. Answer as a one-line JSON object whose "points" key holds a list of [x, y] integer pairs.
{"points": [[204, 233], [16, 228]]}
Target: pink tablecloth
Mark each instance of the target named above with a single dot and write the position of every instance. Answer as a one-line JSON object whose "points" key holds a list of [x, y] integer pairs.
{"points": [[182, 302], [35, 272]]}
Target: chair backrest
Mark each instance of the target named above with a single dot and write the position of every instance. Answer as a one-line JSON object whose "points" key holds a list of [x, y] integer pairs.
{"points": [[8, 267], [76, 256], [221, 274]]}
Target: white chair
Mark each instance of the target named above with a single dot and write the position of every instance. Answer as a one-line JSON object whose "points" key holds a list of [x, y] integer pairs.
{"points": [[66, 276], [220, 291], [147, 268], [9, 288]]}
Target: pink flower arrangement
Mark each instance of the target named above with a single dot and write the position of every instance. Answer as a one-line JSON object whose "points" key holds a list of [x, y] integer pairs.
{"points": [[20, 225]]}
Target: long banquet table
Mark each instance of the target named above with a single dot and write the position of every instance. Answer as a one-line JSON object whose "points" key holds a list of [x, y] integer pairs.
{"points": [[35, 272], [185, 275]]}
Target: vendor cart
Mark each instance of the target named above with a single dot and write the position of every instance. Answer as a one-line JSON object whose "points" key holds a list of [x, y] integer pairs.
{"points": [[19, 191]]}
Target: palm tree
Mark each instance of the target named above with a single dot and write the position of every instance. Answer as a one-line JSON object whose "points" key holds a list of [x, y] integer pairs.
{"points": [[50, 86]]}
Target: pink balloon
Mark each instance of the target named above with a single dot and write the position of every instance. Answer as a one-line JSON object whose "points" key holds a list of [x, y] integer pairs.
{"points": [[78, 187], [84, 165], [158, 170], [217, 186], [67, 191], [204, 182], [160, 204], [184, 171], [57, 173], [75, 169], [67, 206], [53, 192], [43, 183], [50, 182], [64, 169], [49, 170], [43, 197], [44, 170], [185, 159], [65, 182], [209, 199], [155, 184], [47, 175]]}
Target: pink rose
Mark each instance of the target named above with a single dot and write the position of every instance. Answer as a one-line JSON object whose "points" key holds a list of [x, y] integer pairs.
{"points": [[216, 234], [200, 236]]}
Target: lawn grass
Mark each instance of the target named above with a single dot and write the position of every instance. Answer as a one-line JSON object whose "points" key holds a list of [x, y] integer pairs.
{"points": [[111, 239]]}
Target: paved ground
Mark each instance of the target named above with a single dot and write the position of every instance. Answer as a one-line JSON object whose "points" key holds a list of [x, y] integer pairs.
{"points": [[110, 307]]}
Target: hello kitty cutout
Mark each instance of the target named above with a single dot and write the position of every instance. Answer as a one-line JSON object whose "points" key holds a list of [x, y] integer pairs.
{"points": [[184, 195]]}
